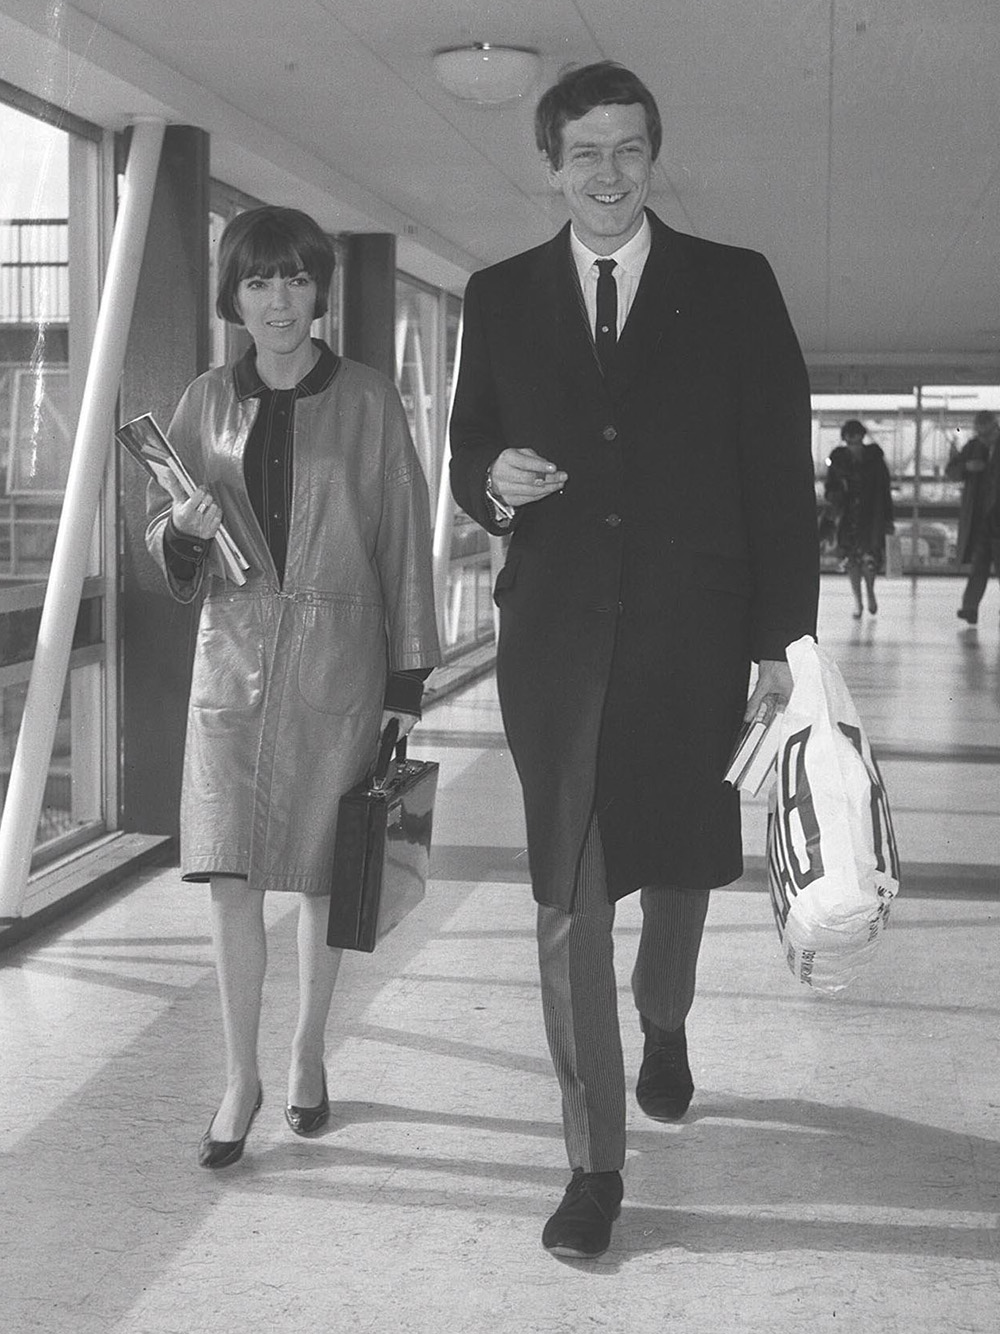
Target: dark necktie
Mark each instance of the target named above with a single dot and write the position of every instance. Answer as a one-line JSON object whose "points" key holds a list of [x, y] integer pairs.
{"points": [[606, 329]]}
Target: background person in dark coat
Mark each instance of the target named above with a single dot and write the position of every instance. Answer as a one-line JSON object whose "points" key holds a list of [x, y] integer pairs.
{"points": [[658, 487], [977, 466], [859, 491]]}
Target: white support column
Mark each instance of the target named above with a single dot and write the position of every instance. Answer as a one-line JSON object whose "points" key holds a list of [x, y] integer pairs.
{"points": [[918, 450], [498, 554], [444, 526], [421, 410], [444, 514], [402, 328], [94, 434]]}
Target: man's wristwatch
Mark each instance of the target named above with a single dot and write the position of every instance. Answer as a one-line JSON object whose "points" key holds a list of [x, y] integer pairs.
{"points": [[502, 512]]}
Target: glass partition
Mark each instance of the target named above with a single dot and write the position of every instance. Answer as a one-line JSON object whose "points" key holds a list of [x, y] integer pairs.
{"points": [[427, 337], [36, 414], [48, 291], [916, 432]]}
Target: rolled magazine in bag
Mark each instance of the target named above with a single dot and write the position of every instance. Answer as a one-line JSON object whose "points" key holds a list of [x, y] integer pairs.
{"points": [[756, 748], [147, 444]]}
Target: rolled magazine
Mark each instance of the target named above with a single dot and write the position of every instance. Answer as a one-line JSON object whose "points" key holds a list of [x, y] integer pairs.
{"points": [[150, 448]]}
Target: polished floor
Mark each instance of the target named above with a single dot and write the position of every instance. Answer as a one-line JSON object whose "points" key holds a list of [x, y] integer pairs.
{"points": [[839, 1169]]}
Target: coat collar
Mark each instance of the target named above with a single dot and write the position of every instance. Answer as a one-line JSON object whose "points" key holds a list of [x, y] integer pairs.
{"points": [[248, 383]]}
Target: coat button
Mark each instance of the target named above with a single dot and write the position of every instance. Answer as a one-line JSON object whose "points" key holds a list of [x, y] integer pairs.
{"points": [[613, 520], [610, 433]]}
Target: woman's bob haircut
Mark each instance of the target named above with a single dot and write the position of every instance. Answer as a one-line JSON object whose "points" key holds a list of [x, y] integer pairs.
{"points": [[579, 89], [264, 241]]}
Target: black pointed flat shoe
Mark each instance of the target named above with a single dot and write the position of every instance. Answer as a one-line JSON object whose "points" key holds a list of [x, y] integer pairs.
{"points": [[307, 1120], [225, 1152]]}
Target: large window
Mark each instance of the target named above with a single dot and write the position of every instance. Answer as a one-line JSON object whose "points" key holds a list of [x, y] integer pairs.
{"points": [[48, 291], [427, 329]]}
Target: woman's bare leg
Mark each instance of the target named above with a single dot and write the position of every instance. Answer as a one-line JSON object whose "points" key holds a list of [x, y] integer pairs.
{"points": [[854, 578], [318, 965], [240, 962]]}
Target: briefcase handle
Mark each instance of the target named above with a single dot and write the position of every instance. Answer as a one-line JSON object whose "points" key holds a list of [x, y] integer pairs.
{"points": [[391, 740]]}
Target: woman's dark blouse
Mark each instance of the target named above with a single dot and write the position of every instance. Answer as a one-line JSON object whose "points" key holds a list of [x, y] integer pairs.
{"points": [[267, 470]]}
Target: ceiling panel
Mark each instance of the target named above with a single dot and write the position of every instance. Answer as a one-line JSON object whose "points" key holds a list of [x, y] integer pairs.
{"points": [[854, 141]]}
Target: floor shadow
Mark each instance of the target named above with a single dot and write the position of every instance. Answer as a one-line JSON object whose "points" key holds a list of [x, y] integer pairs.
{"points": [[101, 1192], [741, 1175]]}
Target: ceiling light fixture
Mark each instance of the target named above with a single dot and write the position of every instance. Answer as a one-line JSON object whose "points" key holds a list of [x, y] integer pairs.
{"points": [[485, 73]]}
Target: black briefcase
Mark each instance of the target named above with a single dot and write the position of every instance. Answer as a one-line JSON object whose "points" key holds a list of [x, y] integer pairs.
{"points": [[382, 849]]}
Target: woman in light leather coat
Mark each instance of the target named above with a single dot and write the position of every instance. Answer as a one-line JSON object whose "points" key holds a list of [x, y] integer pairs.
{"points": [[308, 459]]}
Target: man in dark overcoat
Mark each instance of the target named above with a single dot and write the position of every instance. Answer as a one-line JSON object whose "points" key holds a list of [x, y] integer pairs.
{"points": [[642, 432], [977, 466]]}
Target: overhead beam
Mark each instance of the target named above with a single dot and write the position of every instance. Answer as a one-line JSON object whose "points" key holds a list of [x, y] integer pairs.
{"points": [[897, 372]]}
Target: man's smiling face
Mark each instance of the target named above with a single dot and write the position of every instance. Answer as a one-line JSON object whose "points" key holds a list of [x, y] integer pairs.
{"points": [[604, 176]]}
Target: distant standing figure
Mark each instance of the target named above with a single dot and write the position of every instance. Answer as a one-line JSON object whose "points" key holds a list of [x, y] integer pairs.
{"points": [[859, 492], [977, 466]]}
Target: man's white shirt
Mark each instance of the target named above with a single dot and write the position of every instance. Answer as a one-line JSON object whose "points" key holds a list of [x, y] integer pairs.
{"points": [[630, 261]]}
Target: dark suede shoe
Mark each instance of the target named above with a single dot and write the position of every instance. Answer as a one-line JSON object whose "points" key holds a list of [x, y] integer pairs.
{"points": [[970, 616], [665, 1087], [581, 1227]]}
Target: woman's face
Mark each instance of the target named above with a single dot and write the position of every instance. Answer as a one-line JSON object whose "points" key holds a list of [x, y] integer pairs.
{"points": [[277, 311]]}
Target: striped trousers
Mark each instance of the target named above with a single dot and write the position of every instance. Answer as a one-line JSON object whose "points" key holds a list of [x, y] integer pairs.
{"points": [[580, 998]]}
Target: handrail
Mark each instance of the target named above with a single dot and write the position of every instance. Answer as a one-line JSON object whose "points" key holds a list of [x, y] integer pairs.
{"points": [[25, 597], [83, 489]]}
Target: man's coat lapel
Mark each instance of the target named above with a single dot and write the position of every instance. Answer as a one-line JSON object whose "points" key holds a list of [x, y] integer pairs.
{"points": [[658, 305]]}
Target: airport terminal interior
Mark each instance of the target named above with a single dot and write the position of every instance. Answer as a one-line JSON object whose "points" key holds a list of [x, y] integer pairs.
{"points": [[839, 1167]]}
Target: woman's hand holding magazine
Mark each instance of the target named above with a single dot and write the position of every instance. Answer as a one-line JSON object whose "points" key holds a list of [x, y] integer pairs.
{"points": [[151, 449], [195, 515]]}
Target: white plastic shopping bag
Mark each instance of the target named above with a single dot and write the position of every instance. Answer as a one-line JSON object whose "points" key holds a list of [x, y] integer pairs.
{"points": [[832, 864]]}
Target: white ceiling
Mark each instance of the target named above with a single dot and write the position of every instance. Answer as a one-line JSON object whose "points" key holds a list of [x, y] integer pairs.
{"points": [[855, 143]]}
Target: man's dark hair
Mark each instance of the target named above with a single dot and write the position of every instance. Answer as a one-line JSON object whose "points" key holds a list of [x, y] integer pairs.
{"points": [[264, 241], [579, 90], [983, 419], [852, 427]]}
